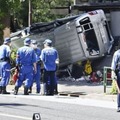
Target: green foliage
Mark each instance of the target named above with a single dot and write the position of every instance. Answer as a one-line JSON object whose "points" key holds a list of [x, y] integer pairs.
{"points": [[3, 4], [114, 88], [13, 56], [41, 11], [7, 7]]}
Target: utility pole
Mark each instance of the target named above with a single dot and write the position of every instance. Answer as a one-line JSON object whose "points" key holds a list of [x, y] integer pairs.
{"points": [[69, 7], [30, 14]]}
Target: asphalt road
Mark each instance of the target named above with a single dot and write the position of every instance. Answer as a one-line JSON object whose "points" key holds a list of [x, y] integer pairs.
{"points": [[22, 107]]}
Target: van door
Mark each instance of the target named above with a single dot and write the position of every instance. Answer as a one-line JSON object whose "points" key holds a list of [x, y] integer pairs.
{"points": [[88, 38], [91, 41]]}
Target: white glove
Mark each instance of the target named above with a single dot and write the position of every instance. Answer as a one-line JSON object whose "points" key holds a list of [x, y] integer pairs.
{"points": [[57, 61], [113, 75]]}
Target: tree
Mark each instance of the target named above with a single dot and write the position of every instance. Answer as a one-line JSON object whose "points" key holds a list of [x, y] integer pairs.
{"points": [[42, 10], [7, 7], [3, 11]]}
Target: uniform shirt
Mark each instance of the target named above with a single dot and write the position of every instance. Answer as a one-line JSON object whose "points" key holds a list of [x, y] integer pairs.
{"points": [[49, 56], [25, 56], [115, 60], [4, 51], [38, 53]]}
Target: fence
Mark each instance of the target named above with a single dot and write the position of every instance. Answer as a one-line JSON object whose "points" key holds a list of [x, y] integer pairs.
{"points": [[106, 76]]}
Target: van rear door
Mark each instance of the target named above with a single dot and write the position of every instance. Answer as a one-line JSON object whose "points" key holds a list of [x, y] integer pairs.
{"points": [[88, 38]]}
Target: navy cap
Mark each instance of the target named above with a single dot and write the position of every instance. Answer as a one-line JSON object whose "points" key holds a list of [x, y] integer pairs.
{"points": [[7, 40], [34, 42], [48, 41], [27, 41]]}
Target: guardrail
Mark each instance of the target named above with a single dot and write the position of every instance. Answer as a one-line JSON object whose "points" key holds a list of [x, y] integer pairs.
{"points": [[106, 76]]}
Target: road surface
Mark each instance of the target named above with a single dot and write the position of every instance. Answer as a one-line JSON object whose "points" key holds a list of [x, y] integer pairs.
{"points": [[21, 107]]}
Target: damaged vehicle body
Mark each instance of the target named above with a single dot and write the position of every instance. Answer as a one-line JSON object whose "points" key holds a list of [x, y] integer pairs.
{"points": [[77, 38]]}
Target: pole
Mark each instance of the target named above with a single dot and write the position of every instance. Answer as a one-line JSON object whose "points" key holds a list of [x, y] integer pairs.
{"points": [[69, 7], [30, 14]]}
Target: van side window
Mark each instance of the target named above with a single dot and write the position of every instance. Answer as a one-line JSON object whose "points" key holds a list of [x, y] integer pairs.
{"points": [[84, 21], [86, 27], [86, 24]]}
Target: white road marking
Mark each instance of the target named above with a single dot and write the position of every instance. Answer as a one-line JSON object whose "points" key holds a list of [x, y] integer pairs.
{"points": [[15, 116], [71, 100]]}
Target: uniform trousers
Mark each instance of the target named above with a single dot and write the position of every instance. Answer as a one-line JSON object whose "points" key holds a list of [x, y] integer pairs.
{"points": [[4, 73], [118, 82], [36, 78], [49, 79], [25, 74]]}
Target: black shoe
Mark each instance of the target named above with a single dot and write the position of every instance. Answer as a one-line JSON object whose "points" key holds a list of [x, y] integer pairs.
{"points": [[30, 90], [4, 90], [118, 110], [55, 92], [50, 94], [26, 91], [16, 90]]}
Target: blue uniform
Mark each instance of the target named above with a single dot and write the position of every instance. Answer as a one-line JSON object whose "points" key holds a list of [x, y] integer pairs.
{"points": [[115, 62], [4, 64], [37, 76], [49, 55], [25, 59]]}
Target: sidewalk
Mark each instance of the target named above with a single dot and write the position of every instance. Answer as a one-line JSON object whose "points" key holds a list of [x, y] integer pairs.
{"points": [[80, 89], [86, 90]]}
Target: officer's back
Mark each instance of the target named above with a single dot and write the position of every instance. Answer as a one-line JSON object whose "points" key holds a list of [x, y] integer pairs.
{"points": [[26, 62], [25, 55], [49, 56]]}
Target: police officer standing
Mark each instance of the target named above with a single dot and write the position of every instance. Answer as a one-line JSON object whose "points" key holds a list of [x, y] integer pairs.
{"points": [[26, 64], [115, 74], [49, 56], [5, 65], [37, 75]]}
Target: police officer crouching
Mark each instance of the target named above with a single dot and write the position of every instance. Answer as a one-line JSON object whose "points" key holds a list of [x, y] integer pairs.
{"points": [[5, 65], [26, 64]]}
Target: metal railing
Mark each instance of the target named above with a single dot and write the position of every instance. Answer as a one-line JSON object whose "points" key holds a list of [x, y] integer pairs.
{"points": [[106, 76]]}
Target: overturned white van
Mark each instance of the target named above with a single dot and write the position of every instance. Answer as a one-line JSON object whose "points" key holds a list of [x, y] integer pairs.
{"points": [[77, 38]]}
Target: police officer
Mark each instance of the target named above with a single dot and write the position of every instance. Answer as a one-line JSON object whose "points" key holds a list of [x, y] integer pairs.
{"points": [[26, 64], [37, 75], [115, 74], [5, 65], [49, 56]]}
